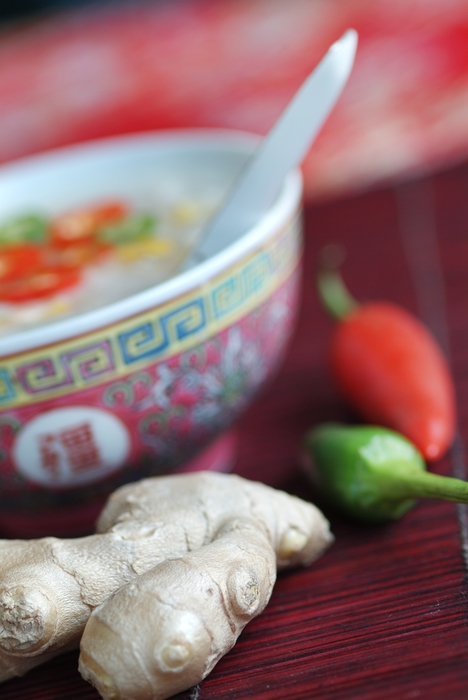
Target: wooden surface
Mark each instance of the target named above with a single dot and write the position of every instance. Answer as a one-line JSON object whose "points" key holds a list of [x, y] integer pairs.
{"points": [[383, 613]]}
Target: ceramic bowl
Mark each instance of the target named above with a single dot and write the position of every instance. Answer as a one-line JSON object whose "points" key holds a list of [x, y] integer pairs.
{"points": [[143, 385]]}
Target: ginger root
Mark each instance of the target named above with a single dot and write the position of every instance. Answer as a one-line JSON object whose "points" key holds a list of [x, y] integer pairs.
{"points": [[49, 587], [165, 630]]}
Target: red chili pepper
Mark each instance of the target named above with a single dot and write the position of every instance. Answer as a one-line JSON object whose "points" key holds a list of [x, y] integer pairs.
{"points": [[18, 260], [80, 227], [390, 368], [39, 285], [79, 255]]}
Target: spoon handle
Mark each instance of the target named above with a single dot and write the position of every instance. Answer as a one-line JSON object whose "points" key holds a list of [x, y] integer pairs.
{"points": [[280, 151]]}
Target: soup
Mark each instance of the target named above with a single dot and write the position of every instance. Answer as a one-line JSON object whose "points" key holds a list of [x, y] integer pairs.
{"points": [[52, 267]]}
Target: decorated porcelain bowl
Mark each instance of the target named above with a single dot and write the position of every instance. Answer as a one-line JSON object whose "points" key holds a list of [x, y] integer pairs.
{"points": [[143, 384]]}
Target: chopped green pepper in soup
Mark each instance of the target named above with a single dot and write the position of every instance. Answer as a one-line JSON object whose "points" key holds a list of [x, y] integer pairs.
{"points": [[86, 258]]}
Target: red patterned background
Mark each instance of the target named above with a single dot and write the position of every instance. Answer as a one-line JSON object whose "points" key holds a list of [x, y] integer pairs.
{"points": [[108, 68]]}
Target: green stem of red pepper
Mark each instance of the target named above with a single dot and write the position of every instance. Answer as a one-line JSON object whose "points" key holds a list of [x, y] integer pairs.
{"points": [[372, 473], [334, 294]]}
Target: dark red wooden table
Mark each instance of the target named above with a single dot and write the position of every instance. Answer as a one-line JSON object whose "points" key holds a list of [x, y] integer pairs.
{"points": [[383, 614]]}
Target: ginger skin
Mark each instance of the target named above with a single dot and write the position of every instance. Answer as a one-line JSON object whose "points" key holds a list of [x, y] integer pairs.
{"points": [[164, 631], [49, 587]]}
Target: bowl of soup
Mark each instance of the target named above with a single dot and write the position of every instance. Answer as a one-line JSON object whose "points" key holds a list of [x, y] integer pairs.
{"points": [[116, 362]]}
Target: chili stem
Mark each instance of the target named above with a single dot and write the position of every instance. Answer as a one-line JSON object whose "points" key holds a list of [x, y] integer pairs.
{"points": [[334, 294], [421, 484]]}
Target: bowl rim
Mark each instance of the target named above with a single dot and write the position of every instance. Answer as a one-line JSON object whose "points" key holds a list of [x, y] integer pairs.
{"points": [[287, 202]]}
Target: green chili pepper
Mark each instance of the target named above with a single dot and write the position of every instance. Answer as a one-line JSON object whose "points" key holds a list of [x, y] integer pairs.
{"points": [[133, 228], [372, 473], [29, 228]]}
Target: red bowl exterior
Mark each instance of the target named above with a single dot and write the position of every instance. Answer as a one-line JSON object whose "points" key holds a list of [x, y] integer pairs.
{"points": [[142, 396]]}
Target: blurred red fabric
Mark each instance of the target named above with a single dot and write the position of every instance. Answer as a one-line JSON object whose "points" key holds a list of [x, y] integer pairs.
{"points": [[120, 67]]}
